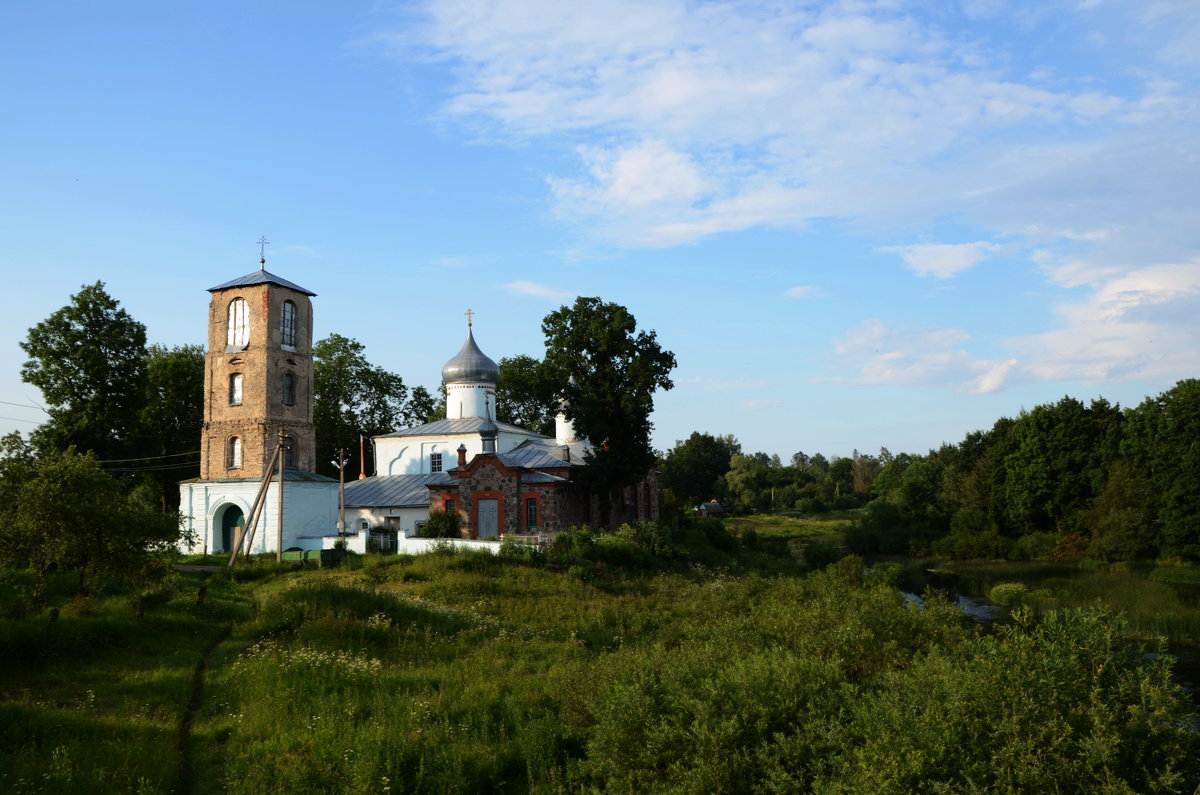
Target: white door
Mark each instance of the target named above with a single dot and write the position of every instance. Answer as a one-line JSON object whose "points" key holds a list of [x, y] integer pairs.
{"points": [[488, 518]]}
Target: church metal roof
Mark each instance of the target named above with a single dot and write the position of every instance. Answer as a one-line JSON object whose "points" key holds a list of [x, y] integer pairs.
{"points": [[261, 277], [541, 477], [392, 491], [470, 365], [466, 425], [546, 453]]}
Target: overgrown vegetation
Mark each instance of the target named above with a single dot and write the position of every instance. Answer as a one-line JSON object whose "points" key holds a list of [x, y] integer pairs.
{"points": [[1061, 481], [645, 659]]}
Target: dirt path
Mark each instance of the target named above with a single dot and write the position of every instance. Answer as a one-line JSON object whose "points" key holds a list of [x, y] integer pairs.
{"points": [[189, 716]]}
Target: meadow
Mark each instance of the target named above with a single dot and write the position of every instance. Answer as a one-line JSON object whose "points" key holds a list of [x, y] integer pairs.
{"points": [[637, 661]]}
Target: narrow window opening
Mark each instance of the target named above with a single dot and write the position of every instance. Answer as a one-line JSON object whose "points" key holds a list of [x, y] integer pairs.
{"points": [[235, 389], [435, 462], [531, 513], [287, 325], [289, 389], [238, 335], [233, 453]]}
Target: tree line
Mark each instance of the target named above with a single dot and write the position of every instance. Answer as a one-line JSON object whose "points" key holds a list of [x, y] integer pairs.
{"points": [[1062, 480]]}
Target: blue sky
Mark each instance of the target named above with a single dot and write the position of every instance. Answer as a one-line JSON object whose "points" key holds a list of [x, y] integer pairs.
{"points": [[856, 224]]}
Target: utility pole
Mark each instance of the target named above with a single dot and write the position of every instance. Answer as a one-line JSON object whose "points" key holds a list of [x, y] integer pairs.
{"points": [[279, 534], [340, 462]]}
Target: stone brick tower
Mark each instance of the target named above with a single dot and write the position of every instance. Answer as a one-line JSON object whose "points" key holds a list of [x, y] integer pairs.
{"points": [[258, 377]]}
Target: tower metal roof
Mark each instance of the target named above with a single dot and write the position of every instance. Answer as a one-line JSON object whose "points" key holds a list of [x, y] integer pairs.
{"points": [[263, 277]]}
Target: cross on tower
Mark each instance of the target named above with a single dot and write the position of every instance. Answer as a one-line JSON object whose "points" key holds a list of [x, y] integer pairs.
{"points": [[470, 313], [262, 247]]}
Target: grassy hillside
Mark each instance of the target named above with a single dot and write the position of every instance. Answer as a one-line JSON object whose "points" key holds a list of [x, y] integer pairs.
{"points": [[624, 663]]}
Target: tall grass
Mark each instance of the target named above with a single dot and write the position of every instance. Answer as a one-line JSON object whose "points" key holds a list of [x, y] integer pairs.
{"points": [[461, 672], [94, 702]]}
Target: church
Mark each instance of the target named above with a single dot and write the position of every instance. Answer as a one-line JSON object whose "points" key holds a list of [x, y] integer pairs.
{"points": [[258, 447]]}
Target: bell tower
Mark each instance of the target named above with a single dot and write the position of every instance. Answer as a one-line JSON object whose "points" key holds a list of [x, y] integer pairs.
{"points": [[258, 377]]}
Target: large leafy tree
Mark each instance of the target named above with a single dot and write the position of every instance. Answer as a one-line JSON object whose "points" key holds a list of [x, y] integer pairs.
{"points": [[524, 395], [65, 511], [89, 361], [607, 372], [352, 397], [694, 470], [1161, 478], [171, 419]]}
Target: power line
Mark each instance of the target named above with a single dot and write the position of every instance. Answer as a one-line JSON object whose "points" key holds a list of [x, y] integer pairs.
{"points": [[18, 419], [160, 468], [146, 458], [22, 405]]}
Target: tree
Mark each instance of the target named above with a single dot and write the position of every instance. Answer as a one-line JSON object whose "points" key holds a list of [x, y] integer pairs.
{"points": [[69, 513], [352, 397], [607, 372], [171, 418], [694, 470], [524, 397], [422, 407], [89, 361], [1160, 443]]}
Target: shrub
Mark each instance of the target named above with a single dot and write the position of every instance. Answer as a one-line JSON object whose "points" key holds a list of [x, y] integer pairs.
{"points": [[1009, 594], [440, 524]]}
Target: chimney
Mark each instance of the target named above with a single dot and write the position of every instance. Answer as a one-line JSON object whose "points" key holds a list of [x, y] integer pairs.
{"points": [[462, 455]]}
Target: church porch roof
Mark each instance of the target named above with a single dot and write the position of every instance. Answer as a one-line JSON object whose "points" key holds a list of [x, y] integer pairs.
{"points": [[393, 491], [466, 425]]}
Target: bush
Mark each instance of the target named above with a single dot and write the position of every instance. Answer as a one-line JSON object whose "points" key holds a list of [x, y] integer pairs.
{"points": [[1033, 546], [846, 502], [820, 554], [1009, 594], [812, 506], [440, 524]]}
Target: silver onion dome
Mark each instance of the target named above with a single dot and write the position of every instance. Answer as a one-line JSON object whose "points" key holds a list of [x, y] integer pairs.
{"points": [[470, 365]]}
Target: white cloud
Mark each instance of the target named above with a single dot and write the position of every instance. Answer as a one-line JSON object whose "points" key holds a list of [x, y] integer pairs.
{"points": [[689, 121], [727, 384], [943, 260], [802, 291], [536, 290], [887, 354], [1143, 323], [677, 121], [761, 404]]}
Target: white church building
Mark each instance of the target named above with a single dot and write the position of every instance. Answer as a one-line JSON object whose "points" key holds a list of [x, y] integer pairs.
{"points": [[258, 432]]}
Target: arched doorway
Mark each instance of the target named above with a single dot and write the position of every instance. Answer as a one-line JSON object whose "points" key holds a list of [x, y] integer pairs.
{"points": [[231, 518]]}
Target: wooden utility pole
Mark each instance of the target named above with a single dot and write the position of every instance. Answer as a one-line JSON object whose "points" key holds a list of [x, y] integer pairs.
{"points": [[256, 511], [279, 532]]}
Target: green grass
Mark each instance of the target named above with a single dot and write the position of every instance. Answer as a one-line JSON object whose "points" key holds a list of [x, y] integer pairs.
{"points": [[94, 702], [467, 672], [826, 526]]}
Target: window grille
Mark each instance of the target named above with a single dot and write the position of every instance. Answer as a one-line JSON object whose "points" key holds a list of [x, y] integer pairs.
{"points": [[287, 325]]}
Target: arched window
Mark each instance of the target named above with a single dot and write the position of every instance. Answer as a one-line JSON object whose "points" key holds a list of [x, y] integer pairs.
{"points": [[239, 325], [287, 325], [235, 389], [289, 389], [233, 453], [289, 452]]}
